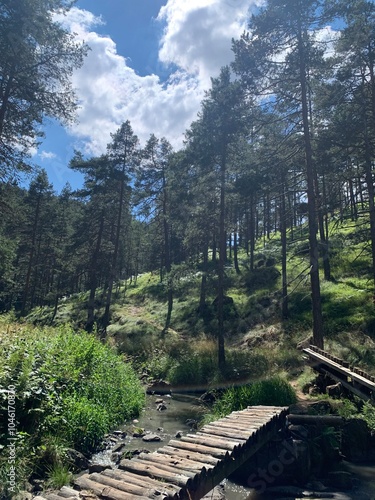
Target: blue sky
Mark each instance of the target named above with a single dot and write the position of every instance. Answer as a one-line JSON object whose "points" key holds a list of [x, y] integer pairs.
{"points": [[150, 62]]}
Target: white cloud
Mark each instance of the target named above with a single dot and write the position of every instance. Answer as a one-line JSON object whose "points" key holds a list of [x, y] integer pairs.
{"points": [[196, 41], [47, 155]]}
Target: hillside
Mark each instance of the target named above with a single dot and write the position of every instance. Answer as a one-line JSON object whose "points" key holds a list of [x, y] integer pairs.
{"points": [[258, 341]]}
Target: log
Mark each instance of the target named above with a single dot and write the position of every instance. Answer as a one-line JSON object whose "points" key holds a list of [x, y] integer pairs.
{"points": [[155, 472], [227, 431], [84, 482], [198, 457], [122, 485], [217, 442], [200, 448], [169, 489], [235, 441], [179, 463]]}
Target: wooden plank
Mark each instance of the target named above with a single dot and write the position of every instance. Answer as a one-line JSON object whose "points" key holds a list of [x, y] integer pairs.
{"points": [[235, 440], [123, 485], [237, 425], [228, 431], [179, 463], [169, 489], [198, 457], [84, 482], [222, 433], [200, 448], [215, 441], [153, 462], [174, 477], [345, 371]]}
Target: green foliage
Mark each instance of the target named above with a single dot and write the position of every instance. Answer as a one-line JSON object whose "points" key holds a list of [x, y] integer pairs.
{"points": [[368, 414], [58, 476], [68, 385], [274, 391]]}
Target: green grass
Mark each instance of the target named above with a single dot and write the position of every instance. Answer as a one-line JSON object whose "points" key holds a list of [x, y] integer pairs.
{"points": [[274, 391], [68, 385]]}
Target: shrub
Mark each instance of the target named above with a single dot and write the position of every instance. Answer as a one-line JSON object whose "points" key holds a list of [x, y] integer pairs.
{"points": [[274, 391], [66, 384]]}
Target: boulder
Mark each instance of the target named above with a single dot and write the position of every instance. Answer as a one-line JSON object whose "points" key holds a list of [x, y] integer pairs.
{"points": [[77, 460], [148, 438], [159, 387], [355, 440]]}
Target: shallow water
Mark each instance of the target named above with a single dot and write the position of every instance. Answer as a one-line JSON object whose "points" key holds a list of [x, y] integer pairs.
{"points": [[181, 407]]}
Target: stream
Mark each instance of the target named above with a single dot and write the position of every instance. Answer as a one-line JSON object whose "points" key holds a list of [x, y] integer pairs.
{"points": [[182, 407]]}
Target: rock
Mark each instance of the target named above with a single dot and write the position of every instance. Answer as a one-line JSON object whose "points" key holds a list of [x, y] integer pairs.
{"points": [[355, 440], [138, 432], [148, 438], [178, 434], [161, 407], [23, 495], [314, 390], [335, 390], [98, 468], [193, 424], [159, 401], [120, 434], [340, 479], [77, 459], [159, 387], [119, 447]]}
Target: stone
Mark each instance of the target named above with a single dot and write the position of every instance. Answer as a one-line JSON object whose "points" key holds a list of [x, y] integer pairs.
{"points": [[161, 407], [335, 390], [98, 468], [159, 387], [193, 424], [119, 447], [23, 495], [340, 479], [158, 401], [355, 440], [120, 434], [77, 459], [148, 438], [178, 434]]}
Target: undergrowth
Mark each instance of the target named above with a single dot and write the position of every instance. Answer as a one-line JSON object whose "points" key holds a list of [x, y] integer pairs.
{"points": [[69, 390]]}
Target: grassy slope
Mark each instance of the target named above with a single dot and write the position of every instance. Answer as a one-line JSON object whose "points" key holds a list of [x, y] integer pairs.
{"points": [[253, 322]]}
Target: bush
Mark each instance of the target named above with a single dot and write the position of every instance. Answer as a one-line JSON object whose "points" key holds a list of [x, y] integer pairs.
{"points": [[274, 391], [66, 384]]}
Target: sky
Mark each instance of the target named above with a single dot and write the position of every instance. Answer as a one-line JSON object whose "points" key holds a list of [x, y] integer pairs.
{"points": [[150, 62]]}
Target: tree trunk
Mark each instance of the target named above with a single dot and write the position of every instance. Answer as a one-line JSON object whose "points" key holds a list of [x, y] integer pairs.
{"points": [[93, 278], [283, 228], [312, 201], [222, 255], [31, 258]]}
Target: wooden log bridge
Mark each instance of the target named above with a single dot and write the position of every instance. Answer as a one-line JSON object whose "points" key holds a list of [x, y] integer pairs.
{"points": [[192, 466], [353, 379]]}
